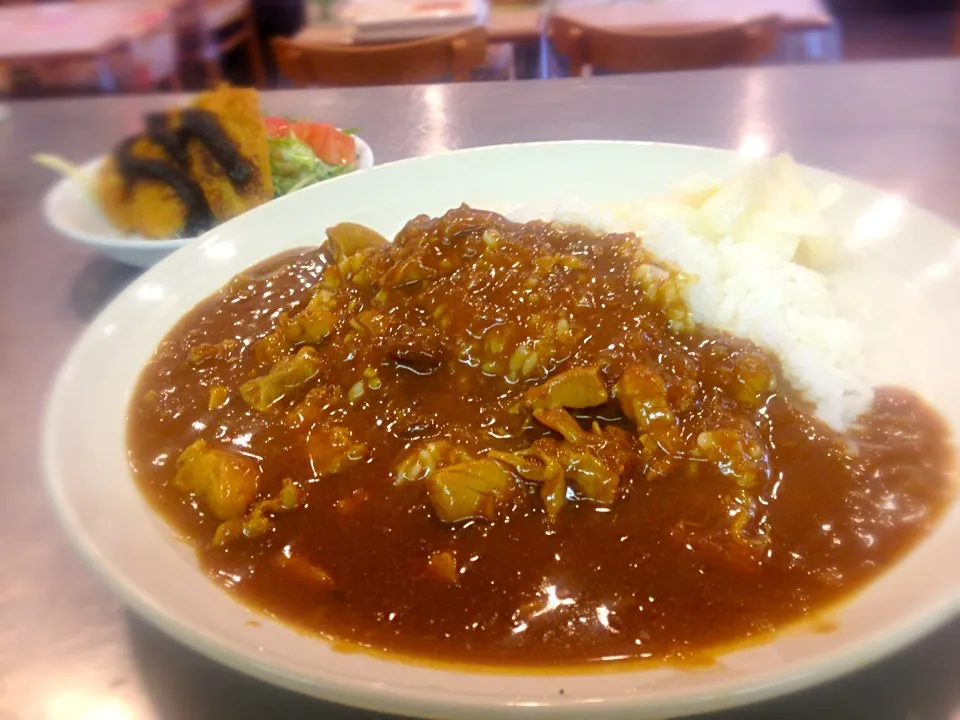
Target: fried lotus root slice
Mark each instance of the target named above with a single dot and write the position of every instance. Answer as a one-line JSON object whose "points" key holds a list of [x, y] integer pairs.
{"points": [[227, 481], [287, 374], [577, 388], [347, 239], [471, 489]]}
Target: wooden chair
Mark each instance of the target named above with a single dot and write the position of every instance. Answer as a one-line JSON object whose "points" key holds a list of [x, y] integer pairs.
{"points": [[232, 24], [445, 57], [656, 50], [956, 28], [210, 28]]}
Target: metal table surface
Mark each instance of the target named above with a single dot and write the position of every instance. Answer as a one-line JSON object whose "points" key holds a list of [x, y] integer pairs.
{"points": [[67, 647]]}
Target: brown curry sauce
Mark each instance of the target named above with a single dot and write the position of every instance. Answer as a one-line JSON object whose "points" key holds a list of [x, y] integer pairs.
{"points": [[688, 557]]}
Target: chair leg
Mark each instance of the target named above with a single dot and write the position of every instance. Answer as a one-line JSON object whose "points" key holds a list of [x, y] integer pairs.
{"points": [[956, 29], [175, 81], [212, 72], [254, 53]]}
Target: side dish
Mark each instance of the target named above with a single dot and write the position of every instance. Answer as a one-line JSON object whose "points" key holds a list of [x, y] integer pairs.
{"points": [[194, 167]]}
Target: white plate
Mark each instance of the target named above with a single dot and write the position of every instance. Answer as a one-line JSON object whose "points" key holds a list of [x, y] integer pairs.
{"points": [[71, 212], [908, 300]]}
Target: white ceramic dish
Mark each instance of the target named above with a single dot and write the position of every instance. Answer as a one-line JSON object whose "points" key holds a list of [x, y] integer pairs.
{"points": [[70, 211], [907, 265]]}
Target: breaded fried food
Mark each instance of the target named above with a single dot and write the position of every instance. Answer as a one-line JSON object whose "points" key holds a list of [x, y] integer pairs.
{"points": [[191, 168], [147, 207]]}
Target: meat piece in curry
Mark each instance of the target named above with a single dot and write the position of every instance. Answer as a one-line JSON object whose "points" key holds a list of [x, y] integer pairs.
{"points": [[510, 444]]}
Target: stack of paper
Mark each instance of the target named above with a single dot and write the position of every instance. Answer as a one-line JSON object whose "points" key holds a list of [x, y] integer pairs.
{"points": [[386, 20]]}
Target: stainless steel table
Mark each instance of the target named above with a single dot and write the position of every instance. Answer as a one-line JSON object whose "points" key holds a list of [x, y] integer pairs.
{"points": [[68, 649]]}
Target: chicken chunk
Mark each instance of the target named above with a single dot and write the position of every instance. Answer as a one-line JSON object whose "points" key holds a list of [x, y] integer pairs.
{"points": [[332, 450], [419, 350], [304, 571], [256, 523], [318, 401], [226, 481], [217, 397], [287, 374], [537, 465], [427, 459], [406, 272], [209, 352], [643, 398], [753, 379], [560, 421], [661, 451], [735, 453], [311, 325], [371, 321], [443, 566], [592, 477], [553, 493], [347, 239], [469, 490], [577, 388]]}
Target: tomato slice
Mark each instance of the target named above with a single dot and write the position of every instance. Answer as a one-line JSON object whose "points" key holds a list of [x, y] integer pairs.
{"points": [[329, 144], [340, 149], [277, 126]]}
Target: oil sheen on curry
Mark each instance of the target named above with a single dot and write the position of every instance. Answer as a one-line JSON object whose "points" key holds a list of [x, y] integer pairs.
{"points": [[509, 444]]}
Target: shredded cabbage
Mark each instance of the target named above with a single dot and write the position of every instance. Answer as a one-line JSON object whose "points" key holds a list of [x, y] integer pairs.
{"points": [[67, 169], [294, 165]]}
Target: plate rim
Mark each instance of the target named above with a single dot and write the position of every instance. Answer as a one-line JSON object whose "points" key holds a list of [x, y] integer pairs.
{"points": [[371, 694]]}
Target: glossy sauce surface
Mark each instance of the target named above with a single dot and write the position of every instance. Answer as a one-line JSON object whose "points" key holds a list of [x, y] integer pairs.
{"points": [[689, 554]]}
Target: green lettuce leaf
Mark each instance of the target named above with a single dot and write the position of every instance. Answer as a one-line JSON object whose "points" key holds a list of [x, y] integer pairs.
{"points": [[294, 165]]}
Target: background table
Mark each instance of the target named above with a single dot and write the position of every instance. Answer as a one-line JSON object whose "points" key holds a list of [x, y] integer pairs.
{"points": [[523, 21], [810, 32], [69, 651], [75, 31]]}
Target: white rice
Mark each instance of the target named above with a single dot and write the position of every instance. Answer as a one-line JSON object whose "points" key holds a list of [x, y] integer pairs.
{"points": [[741, 243], [748, 291]]}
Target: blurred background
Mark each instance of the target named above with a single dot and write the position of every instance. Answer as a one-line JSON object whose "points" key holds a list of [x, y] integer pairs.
{"points": [[83, 47]]}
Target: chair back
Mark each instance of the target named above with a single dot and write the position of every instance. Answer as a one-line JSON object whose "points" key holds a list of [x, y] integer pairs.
{"points": [[435, 59], [622, 51]]}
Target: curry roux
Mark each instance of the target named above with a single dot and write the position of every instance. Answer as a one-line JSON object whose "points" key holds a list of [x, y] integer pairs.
{"points": [[431, 339]]}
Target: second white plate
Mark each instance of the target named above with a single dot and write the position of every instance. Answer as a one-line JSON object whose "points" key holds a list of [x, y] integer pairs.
{"points": [[68, 209]]}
